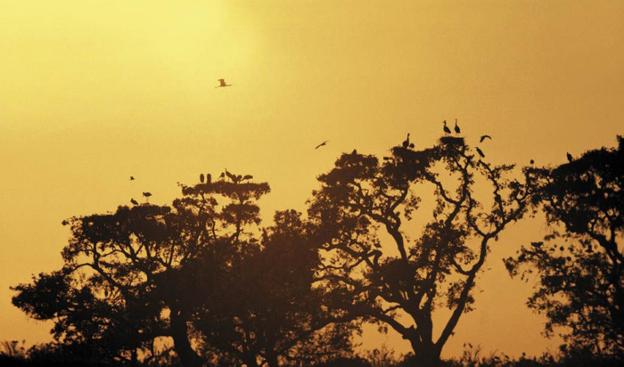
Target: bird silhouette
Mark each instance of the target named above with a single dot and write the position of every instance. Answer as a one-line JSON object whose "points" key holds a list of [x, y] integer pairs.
{"points": [[201, 178], [532, 161], [222, 175], [64, 222], [247, 177], [231, 176], [406, 142], [131, 178], [446, 129], [480, 152], [208, 177], [147, 194], [456, 128], [222, 84], [483, 137], [134, 202], [322, 144], [570, 158]]}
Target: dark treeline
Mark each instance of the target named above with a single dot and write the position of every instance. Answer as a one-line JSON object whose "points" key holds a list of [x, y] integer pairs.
{"points": [[385, 240]]}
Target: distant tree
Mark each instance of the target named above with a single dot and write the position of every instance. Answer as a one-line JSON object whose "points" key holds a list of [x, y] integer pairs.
{"points": [[366, 211], [580, 262], [119, 288]]}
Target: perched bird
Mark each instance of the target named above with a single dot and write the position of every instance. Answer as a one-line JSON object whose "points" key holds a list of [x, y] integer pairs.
{"points": [[131, 178], [456, 128], [354, 152], [64, 222], [247, 177], [134, 202], [208, 177], [570, 158], [483, 137], [480, 152], [537, 244], [532, 161], [322, 144], [446, 129], [223, 84], [222, 175], [147, 194], [406, 142], [201, 178], [233, 177], [411, 146]]}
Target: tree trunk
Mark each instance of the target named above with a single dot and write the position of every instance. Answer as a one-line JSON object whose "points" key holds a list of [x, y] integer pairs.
{"points": [[425, 354], [182, 346]]}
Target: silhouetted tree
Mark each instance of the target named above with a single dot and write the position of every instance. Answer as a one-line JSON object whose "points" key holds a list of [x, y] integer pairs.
{"points": [[119, 288], [366, 212], [580, 262], [269, 311]]}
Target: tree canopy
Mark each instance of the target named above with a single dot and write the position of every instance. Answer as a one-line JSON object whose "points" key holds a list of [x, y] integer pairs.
{"points": [[580, 261], [366, 209]]}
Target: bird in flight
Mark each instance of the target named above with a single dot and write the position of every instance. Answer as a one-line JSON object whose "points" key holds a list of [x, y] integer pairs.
{"points": [[322, 144], [222, 84], [131, 178], [483, 137], [570, 158], [480, 152], [457, 129], [446, 129]]}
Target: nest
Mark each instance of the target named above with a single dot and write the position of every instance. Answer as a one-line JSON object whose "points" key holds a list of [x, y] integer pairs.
{"points": [[452, 140]]}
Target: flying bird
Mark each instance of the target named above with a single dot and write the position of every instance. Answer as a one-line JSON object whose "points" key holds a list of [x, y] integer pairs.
{"points": [[322, 144], [570, 158], [134, 202], [201, 178], [483, 137], [406, 142], [64, 222], [223, 84], [446, 129], [131, 178], [480, 152], [457, 129]]}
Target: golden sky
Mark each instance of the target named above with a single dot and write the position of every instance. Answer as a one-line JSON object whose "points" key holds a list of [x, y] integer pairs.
{"points": [[92, 92]]}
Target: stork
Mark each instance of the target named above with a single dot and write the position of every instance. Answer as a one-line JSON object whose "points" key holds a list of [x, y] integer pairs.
{"points": [[322, 144], [222, 84]]}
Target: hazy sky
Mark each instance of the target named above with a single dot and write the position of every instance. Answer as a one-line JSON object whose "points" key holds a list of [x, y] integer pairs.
{"points": [[92, 92]]}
